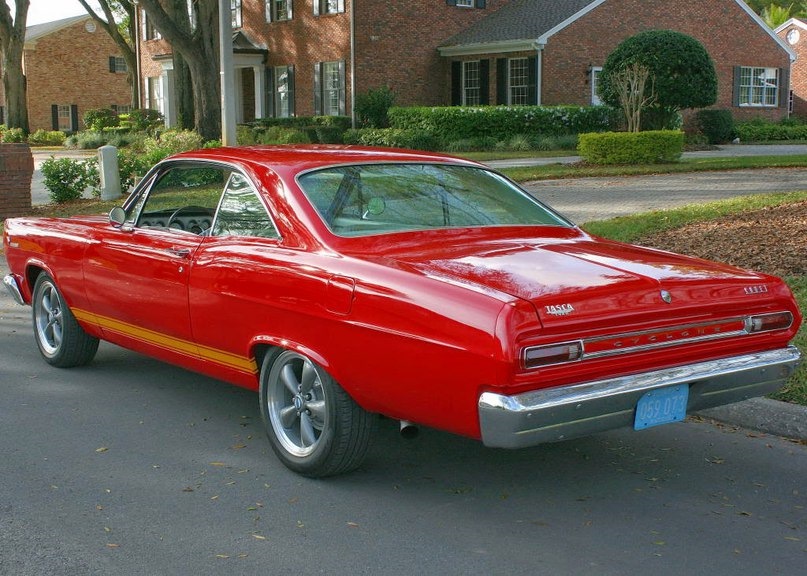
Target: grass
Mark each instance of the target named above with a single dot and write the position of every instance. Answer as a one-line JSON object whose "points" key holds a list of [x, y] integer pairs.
{"points": [[633, 228], [557, 170]]}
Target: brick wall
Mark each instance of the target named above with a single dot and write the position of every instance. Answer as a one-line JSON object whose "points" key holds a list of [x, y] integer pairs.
{"points": [[71, 67], [798, 72], [16, 169], [731, 37]]}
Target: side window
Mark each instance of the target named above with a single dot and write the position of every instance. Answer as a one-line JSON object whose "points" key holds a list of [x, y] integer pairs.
{"points": [[242, 213], [183, 198]]}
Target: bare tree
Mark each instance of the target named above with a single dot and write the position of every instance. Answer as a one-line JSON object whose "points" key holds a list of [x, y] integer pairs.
{"points": [[12, 43], [631, 86], [124, 39], [199, 48]]}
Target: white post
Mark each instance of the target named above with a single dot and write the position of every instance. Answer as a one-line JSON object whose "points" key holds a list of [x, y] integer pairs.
{"points": [[110, 176], [227, 74]]}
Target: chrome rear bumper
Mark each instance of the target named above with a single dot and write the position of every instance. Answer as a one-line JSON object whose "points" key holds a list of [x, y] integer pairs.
{"points": [[11, 285], [571, 411]]}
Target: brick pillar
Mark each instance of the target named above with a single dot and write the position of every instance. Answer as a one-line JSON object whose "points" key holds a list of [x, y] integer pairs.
{"points": [[16, 171]]}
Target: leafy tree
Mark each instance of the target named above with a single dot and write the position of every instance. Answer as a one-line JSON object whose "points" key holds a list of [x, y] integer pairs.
{"points": [[12, 41], [681, 71], [775, 15], [119, 22]]}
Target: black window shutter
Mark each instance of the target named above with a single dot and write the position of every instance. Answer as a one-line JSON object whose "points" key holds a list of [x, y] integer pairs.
{"points": [[54, 116], [481, 3], [74, 117], [532, 80], [112, 64], [2, 115], [318, 89], [784, 87], [501, 80], [484, 82], [270, 92], [735, 96], [456, 83]]}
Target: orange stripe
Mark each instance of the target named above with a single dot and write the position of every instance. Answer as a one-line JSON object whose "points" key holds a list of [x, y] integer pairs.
{"points": [[177, 345]]}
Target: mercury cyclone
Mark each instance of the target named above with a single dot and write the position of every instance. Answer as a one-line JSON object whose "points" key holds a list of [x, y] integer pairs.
{"points": [[343, 283]]}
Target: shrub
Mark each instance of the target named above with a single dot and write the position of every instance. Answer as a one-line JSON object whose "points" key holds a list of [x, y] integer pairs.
{"points": [[101, 118], [131, 167], [293, 137], [759, 130], [451, 123], [87, 140], [13, 135], [372, 107], [716, 125], [47, 138], [472, 144], [648, 147], [142, 120], [68, 178], [393, 138], [170, 142]]}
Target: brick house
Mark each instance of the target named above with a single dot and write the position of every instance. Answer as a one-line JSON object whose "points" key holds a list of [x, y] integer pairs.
{"points": [[304, 57], [71, 66], [794, 32]]}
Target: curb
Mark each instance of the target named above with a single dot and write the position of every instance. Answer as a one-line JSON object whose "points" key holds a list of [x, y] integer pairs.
{"points": [[763, 415]]}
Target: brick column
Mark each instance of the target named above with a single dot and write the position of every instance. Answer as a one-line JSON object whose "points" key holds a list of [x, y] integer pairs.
{"points": [[16, 171]]}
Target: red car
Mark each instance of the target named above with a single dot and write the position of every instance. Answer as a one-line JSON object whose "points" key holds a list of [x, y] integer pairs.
{"points": [[343, 283]]}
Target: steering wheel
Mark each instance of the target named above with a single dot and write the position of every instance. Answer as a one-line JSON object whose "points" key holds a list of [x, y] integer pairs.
{"points": [[175, 223]]}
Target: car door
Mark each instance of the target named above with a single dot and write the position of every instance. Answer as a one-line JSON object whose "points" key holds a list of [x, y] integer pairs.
{"points": [[137, 275]]}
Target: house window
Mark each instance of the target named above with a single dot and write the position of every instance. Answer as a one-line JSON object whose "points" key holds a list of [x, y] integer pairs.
{"points": [[149, 31], [235, 9], [284, 91], [471, 83], [64, 116], [329, 88], [154, 94], [278, 10], [595, 85], [758, 86], [518, 81], [328, 7], [467, 3], [117, 65]]}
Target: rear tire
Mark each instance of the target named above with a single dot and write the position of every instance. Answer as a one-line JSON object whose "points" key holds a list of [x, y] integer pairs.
{"points": [[313, 425], [61, 341]]}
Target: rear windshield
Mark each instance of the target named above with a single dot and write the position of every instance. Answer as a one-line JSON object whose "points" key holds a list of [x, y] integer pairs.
{"points": [[381, 198]]}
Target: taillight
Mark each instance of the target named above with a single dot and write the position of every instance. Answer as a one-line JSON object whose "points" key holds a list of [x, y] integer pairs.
{"points": [[538, 356], [768, 322]]}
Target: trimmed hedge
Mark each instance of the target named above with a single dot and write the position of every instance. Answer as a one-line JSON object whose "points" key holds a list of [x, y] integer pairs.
{"points": [[716, 125], [651, 147], [762, 130], [451, 123], [393, 138]]}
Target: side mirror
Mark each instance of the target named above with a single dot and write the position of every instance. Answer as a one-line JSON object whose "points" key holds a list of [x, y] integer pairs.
{"points": [[117, 217]]}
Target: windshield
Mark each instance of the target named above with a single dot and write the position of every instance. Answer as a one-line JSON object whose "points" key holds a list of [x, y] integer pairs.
{"points": [[379, 198]]}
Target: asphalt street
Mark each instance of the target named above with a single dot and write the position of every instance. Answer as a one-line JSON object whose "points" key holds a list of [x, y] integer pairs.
{"points": [[130, 466]]}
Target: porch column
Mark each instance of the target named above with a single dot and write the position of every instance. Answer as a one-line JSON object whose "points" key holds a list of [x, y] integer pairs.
{"points": [[259, 73]]}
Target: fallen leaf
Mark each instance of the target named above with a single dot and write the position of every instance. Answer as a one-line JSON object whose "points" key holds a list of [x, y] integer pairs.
{"points": [[258, 537], [352, 525], [113, 545], [222, 556], [102, 449]]}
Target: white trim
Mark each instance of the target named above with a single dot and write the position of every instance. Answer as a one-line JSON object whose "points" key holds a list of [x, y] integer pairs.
{"points": [[791, 22], [491, 47], [761, 23], [576, 16]]}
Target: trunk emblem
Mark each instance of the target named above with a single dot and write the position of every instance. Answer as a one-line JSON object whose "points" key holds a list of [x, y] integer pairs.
{"points": [[666, 296], [560, 309]]}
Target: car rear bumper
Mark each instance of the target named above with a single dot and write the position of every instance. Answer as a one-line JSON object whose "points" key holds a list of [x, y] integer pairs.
{"points": [[11, 285], [571, 411]]}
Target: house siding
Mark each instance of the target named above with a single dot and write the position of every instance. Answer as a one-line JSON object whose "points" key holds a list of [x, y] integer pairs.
{"points": [[570, 53], [71, 67]]}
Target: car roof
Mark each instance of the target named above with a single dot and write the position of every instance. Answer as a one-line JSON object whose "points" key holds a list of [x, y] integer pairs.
{"points": [[296, 159]]}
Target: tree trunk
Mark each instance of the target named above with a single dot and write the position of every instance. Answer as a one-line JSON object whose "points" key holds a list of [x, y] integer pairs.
{"points": [[12, 41]]}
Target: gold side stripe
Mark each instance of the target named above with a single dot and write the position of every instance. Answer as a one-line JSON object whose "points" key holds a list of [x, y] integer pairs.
{"points": [[166, 342]]}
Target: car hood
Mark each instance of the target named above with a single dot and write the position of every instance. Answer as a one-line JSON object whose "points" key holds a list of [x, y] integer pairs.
{"points": [[580, 279]]}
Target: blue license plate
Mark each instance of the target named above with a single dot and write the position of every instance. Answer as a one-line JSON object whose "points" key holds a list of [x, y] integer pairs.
{"points": [[662, 406]]}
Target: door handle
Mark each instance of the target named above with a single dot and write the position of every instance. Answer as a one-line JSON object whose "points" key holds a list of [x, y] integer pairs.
{"points": [[179, 252]]}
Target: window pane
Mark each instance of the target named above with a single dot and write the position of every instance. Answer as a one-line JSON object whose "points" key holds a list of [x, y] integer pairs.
{"points": [[242, 213], [471, 83], [518, 81], [331, 88]]}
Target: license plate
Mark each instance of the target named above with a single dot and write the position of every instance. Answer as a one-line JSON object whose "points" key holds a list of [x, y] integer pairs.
{"points": [[661, 406]]}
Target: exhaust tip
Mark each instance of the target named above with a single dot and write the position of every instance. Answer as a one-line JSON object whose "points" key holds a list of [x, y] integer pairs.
{"points": [[409, 430]]}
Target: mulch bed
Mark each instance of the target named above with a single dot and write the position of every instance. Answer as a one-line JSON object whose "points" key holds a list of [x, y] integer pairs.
{"points": [[771, 240]]}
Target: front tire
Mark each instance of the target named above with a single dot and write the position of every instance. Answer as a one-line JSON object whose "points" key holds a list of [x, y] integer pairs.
{"points": [[61, 341], [313, 425]]}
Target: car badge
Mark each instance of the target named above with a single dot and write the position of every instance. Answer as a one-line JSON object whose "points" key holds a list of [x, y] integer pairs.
{"points": [[560, 309], [666, 296]]}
